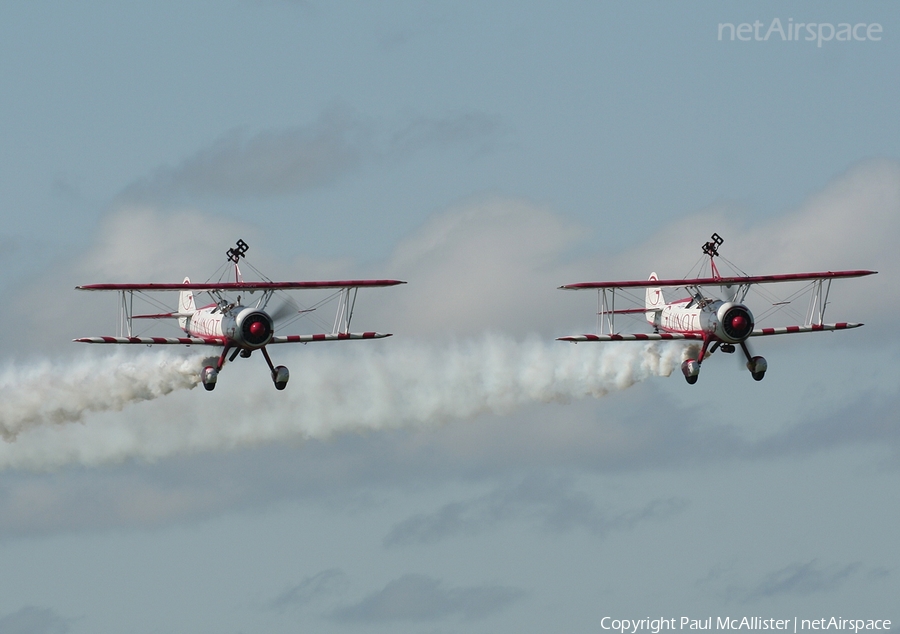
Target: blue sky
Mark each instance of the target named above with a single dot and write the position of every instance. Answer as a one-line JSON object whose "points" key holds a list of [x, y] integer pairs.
{"points": [[468, 474]]}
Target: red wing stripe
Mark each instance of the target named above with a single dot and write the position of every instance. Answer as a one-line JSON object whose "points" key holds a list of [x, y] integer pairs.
{"points": [[662, 336], [341, 336], [240, 286], [721, 281], [184, 341], [788, 330]]}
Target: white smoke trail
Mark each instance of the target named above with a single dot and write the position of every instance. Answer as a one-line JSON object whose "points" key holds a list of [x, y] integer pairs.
{"points": [[333, 389], [55, 393]]}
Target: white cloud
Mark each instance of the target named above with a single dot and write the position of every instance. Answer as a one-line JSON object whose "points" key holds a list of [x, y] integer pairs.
{"points": [[488, 265]]}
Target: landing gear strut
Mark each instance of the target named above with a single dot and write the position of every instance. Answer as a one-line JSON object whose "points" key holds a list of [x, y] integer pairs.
{"points": [[280, 374], [691, 367], [209, 374]]}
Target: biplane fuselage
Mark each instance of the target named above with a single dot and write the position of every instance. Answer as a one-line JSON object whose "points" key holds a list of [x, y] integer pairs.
{"points": [[219, 327], [676, 318], [205, 324], [704, 317], [232, 325]]}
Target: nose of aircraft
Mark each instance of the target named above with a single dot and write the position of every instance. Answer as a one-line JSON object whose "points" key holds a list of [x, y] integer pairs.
{"points": [[257, 329], [738, 323]]}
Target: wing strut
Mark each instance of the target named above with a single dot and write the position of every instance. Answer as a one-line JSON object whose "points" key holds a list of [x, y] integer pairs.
{"points": [[126, 310], [344, 315], [818, 300], [606, 311]]}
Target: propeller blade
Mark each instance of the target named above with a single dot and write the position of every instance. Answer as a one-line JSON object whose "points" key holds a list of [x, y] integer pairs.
{"points": [[284, 310]]}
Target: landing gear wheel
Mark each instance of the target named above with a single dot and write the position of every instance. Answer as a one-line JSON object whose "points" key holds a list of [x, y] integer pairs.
{"points": [[280, 377], [208, 377], [691, 371], [757, 367]]}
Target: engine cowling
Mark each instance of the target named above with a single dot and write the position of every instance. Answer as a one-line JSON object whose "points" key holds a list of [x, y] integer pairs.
{"points": [[731, 323], [249, 328]]}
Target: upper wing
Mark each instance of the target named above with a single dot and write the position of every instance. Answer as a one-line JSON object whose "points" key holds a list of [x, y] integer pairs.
{"points": [[239, 286], [721, 281]]}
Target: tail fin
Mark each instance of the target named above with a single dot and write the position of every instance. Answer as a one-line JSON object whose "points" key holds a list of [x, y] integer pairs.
{"points": [[654, 302], [185, 305]]}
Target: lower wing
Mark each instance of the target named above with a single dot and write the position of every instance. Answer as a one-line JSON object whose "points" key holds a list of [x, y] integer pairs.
{"points": [[657, 336], [329, 337], [789, 330], [189, 341], [664, 336], [184, 341]]}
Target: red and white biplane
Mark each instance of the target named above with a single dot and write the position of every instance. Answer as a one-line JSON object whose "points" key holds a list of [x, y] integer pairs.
{"points": [[720, 324], [234, 327]]}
